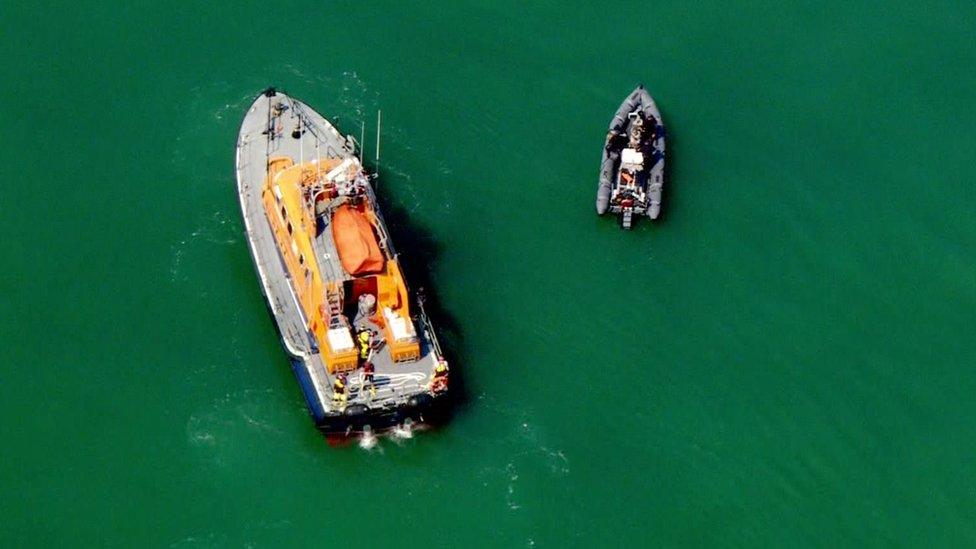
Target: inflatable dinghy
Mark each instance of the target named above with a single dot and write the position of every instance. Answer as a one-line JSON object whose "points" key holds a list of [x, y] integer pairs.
{"points": [[632, 171]]}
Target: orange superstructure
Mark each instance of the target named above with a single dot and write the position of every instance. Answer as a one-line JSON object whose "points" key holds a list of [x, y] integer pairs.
{"points": [[317, 211]]}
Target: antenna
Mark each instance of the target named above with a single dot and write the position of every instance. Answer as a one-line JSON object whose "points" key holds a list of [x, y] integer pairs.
{"points": [[362, 142], [378, 119]]}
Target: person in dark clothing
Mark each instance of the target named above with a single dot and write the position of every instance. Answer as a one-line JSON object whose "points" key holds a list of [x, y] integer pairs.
{"points": [[368, 379], [615, 141], [438, 382]]}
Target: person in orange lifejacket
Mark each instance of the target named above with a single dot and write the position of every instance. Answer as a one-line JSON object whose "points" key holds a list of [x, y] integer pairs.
{"points": [[368, 379], [438, 382], [339, 393]]}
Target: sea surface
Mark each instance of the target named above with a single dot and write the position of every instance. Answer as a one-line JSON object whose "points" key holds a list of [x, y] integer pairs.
{"points": [[786, 359]]}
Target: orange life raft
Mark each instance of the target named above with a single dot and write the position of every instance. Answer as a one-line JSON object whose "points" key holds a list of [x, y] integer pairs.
{"points": [[356, 242]]}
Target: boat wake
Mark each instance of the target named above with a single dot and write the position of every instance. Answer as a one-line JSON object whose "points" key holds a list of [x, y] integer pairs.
{"points": [[215, 229], [368, 441], [403, 431]]}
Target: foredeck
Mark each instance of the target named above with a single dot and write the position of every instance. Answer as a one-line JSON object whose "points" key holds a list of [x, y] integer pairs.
{"points": [[300, 133]]}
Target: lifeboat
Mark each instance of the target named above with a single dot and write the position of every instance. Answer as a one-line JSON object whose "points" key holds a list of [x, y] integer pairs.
{"points": [[363, 349]]}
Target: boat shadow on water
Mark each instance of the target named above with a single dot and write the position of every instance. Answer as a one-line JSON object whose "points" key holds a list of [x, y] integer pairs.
{"points": [[418, 251]]}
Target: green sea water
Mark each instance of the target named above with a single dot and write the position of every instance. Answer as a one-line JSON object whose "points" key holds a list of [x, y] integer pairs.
{"points": [[785, 359]]}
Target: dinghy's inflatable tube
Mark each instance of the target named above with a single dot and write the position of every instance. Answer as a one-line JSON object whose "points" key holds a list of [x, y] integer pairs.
{"points": [[638, 100]]}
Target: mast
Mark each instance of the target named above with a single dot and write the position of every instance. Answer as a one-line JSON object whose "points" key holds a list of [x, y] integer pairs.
{"points": [[301, 142], [378, 119], [362, 142]]}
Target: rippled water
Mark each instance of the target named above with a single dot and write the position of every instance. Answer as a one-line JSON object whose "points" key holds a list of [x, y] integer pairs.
{"points": [[785, 359]]}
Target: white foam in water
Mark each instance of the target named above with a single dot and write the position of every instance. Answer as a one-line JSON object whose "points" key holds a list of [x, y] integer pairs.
{"points": [[404, 431], [368, 441]]}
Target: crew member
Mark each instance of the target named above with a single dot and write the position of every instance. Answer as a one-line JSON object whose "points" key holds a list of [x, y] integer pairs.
{"points": [[368, 379], [339, 393], [636, 132], [615, 141], [652, 134], [364, 338], [438, 383]]}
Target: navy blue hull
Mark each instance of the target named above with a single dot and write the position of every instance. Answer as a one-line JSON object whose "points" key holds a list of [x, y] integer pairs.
{"points": [[420, 409]]}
